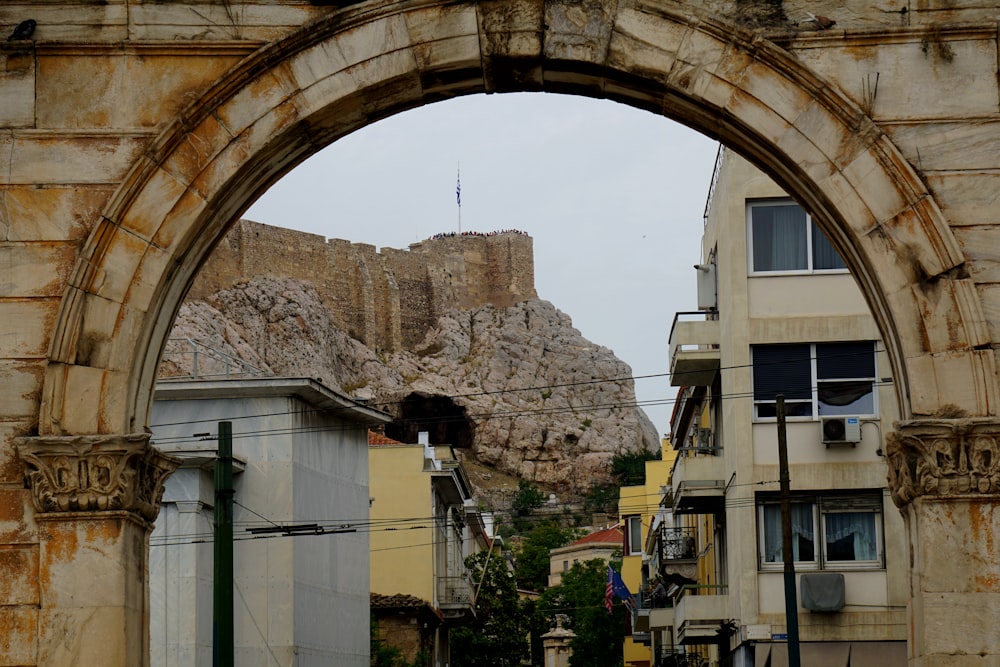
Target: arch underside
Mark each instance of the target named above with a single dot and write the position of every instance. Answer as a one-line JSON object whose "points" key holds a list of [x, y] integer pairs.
{"points": [[296, 96]]}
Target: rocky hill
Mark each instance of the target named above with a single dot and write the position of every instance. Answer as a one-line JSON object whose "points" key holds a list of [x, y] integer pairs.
{"points": [[516, 388]]}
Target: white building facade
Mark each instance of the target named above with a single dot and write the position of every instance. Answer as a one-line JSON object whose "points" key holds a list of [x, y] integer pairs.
{"points": [[301, 453], [779, 314]]}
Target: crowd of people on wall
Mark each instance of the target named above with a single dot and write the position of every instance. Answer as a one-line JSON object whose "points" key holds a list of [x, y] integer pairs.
{"points": [[445, 235]]}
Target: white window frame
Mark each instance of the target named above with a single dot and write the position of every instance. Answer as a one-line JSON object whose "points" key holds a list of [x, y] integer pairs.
{"points": [[810, 228], [633, 527], [823, 505], [814, 383]]}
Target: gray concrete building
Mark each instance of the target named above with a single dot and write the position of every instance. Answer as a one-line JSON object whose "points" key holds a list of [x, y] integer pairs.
{"points": [[301, 454]]}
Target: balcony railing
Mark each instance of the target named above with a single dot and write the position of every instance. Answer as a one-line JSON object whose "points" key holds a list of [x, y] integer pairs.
{"points": [[668, 657], [694, 349], [454, 591], [191, 359], [677, 544]]}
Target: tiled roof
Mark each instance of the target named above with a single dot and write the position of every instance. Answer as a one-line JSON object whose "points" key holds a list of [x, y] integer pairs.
{"points": [[375, 439], [612, 535], [398, 601]]}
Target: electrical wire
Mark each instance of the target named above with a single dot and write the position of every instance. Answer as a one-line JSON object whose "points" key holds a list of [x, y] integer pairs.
{"points": [[537, 411]]}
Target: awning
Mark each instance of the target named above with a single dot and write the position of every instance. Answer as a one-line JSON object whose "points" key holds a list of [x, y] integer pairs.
{"points": [[878, 654], [814, 654], [834, 654]]}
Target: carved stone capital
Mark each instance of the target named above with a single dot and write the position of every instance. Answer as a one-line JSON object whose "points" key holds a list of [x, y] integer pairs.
{"points": [[95, 473], [943, 458]]}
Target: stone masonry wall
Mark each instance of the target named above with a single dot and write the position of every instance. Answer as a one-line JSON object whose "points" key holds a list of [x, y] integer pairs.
{"points": [[390, 299]]}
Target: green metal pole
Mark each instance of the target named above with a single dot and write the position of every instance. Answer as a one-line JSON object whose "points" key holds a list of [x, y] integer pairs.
{"points": [[222, 609], [791, 599]]}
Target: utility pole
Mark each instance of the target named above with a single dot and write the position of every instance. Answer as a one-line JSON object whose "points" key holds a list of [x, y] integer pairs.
{"points": [[791, 599], [222, 608]]}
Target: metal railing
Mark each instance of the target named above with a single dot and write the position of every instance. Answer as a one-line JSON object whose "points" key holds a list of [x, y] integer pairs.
{"points": [[454, 590], [668, 657], [677, 544], [205, 361]]}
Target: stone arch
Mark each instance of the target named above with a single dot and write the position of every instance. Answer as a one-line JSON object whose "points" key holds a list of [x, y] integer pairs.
{"points": [[356, 66]]}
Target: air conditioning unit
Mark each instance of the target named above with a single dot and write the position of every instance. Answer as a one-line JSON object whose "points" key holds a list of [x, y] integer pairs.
{"points": [[839, 430], [703, 441]]}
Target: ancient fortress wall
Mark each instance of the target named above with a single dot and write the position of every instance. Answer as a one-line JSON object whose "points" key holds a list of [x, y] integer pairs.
{"points": [[386, 299]]}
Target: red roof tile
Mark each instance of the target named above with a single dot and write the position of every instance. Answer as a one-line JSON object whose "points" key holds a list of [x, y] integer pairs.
{"points": [[375, 439], [612, 535]]}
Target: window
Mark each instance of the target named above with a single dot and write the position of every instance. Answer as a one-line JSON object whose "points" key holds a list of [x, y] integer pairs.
{"points": [[829, 531], [783, 238], [817, 380], [633, 535]]}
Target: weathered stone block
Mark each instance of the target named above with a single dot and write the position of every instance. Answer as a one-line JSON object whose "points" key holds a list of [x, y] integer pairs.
{"points": [[19, 575], [28, 324], [35, 269], [22, 385], [32, 213], [19, 639], [17, 525], [73, 159], [89, 635], [17, 88]]}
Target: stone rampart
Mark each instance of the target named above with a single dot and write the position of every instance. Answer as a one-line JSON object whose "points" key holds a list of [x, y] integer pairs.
{"points": [[387, 299]]}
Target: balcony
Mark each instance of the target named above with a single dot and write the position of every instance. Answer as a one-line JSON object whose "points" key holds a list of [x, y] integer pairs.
{"points": [[677, 554], [455, 599], [669, 657], [701, 618], [699, 485], [694, 349]]}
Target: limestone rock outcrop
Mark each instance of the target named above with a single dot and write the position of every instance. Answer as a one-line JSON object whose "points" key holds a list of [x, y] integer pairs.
{"points": [[539, 401]]}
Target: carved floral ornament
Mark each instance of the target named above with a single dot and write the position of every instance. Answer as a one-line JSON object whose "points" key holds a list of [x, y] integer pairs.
{"points": [[95, 473], [943, 458]]}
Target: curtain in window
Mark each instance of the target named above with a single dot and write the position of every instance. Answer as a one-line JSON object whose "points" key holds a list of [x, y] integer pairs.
{"points": [[803, 537], [779, 238], [824, 255], [850, 536]]}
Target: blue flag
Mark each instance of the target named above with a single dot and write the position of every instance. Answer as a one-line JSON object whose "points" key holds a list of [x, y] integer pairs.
{"points": [[617, 587]]}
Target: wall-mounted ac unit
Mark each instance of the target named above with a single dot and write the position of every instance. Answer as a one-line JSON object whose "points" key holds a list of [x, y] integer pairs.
{"points": [[703, 440], [837, 430], [822, 591]]}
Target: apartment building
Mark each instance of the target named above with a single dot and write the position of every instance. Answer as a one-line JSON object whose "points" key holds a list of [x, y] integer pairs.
{"points": [[778, 314], [424, 524]]}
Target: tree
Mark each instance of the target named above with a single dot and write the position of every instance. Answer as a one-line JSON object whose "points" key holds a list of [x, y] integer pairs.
{"points": [[532, 556], [497, 637], [629, 468], [598, 641]]}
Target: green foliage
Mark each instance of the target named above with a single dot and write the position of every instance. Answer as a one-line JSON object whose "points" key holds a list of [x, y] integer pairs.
{"points": [[528, 498], [532, 555], [598, 641], [382, 654], [601, 498], [497, 635], [629, 468]]}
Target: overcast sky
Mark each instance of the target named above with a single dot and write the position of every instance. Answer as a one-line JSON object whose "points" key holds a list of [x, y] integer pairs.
{"points": [[612, 196]]}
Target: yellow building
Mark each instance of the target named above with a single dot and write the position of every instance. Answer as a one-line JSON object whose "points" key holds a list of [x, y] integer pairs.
{"points": [[638, 510], [424, 523]]}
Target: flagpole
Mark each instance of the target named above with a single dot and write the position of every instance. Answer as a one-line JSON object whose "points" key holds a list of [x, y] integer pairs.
{"points": [[458, 196]]}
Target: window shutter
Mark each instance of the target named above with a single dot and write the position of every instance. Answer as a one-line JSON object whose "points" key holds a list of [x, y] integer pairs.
{"points": [[781, 369], [835, 361]]}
